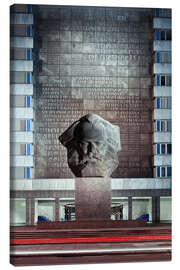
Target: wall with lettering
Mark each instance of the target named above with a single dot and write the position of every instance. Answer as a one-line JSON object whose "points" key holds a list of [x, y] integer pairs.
{"points": [[93, 60]]}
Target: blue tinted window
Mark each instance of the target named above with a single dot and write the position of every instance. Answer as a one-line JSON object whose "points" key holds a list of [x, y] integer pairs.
{"points": [[158, 80], [29, 8], [158, 171], [28, 149], [158, 125], [158, 34], [157, 57], [157, 12], [28, 77], [158, 149], [28, 128], [28, 101], [169, 171], [28, 30], [28, 54], [158, 103], [28, 173]]}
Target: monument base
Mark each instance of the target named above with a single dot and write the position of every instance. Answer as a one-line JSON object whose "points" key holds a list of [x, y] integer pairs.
{"points": [[110, 225], [93, 198]]}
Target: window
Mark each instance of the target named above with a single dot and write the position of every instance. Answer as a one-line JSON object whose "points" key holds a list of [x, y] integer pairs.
{"points": [[142, 208], [29, 31], [29, 8], [163, 172], [28, 173], [28, 54], [163, 34], [28, 125], [163, 125], [17, 212], [28, 77], [162, 80], [165, 209], [163, 103]]}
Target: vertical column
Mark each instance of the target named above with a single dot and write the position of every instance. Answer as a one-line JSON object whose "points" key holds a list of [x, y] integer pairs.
{"points": [[57, 209], [156, 209], [162, 93], [129, 208], [28, 211], [21, 90]]}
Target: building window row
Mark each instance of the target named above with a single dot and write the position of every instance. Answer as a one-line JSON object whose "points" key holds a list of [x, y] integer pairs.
{"points": [[163, 57], [163, 125], [163, 80], [163, 12], [163, 103], [163, 34], [163, 148], [163, 171]]}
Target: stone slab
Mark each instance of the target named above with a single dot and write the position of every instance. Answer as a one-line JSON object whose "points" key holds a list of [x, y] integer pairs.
{"points": [[92, 198]]}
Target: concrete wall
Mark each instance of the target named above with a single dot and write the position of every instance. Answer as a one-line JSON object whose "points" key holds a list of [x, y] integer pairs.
{"points": [[162, 91]]}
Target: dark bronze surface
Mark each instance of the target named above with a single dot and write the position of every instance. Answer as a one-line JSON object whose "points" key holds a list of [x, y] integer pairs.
{"points": [[93, 60]]}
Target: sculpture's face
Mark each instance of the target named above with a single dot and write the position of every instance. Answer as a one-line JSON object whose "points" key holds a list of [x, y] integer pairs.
{"points": [[92, 146], [87, 158]]}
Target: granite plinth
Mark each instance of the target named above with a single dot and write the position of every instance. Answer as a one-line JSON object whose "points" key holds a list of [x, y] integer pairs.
{"points": [[93, 198]]}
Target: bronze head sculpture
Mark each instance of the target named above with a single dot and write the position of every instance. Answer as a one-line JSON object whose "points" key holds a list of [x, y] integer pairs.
{"points": [[92, 146]]}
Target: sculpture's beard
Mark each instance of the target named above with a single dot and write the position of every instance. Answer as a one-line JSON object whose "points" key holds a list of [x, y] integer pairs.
{"points": [[88, 165]]}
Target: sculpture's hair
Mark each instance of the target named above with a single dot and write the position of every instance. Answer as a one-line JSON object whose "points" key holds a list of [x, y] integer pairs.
{"points": [[93, 127]]}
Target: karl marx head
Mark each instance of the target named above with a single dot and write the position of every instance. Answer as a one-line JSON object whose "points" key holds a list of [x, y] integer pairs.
{"points": [[92, 146]]}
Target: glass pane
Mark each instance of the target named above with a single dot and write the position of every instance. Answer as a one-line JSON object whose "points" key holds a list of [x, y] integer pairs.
{"points": [[67, 210], [168, 80], [169, 125], [119, 209], [169, 148], [163, 149], [168, 35], [44, 210], [142, 208], [165, 209], [17, 212], [168, 171], [162, 35], [163, 172], [158, 171], [162, 80], [163, 126], [158, 149]]}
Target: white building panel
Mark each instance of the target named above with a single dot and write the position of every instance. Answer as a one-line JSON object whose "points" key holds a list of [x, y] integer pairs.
{"points": [[162, 137], [21, 89], [161, 23], [162, 45], [21, 18], [160, 114], [21, 42], [162, 160], [21, 65], [21, 161], [21, 113], [162, 91], [21, 137], [68, 184], [160, 68]]}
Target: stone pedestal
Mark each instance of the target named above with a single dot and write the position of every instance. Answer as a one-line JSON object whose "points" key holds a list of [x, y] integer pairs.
{"points": [[93, 198]]}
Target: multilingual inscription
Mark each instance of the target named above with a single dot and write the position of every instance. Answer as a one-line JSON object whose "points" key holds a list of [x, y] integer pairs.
{"points": [[94, 60]]}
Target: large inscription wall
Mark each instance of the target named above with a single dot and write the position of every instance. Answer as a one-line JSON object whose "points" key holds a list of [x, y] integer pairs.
{"points": [[93, 60]]}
